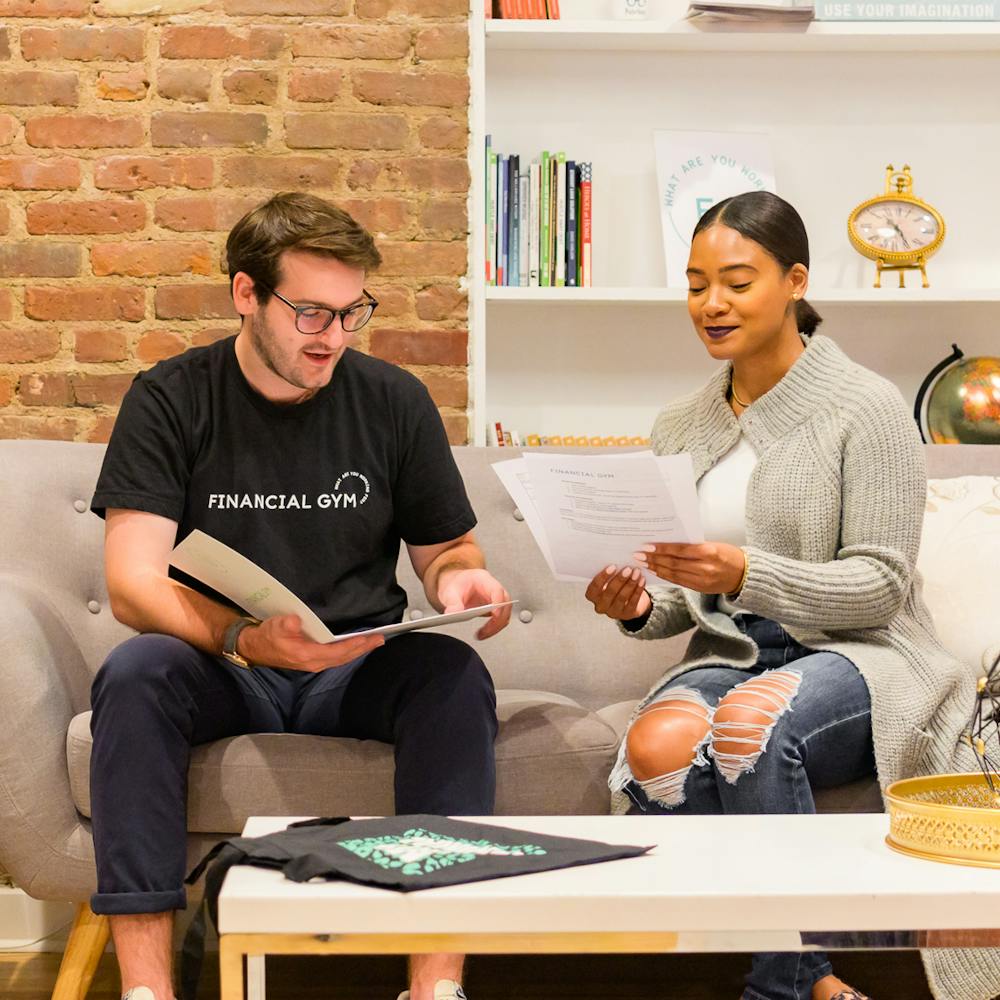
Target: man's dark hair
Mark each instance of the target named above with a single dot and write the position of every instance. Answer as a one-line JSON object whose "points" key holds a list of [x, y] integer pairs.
{"points": [[294, 220], [773, 224]]}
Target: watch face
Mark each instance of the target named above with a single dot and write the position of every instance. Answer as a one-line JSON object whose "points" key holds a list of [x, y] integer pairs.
{"points": [[896, 226]]}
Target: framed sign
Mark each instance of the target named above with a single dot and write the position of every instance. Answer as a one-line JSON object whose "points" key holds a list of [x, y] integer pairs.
{"points": [[694, 170]]}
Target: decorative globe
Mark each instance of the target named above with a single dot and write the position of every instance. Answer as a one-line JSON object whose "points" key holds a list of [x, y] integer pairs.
{"points": [[964, 405]]}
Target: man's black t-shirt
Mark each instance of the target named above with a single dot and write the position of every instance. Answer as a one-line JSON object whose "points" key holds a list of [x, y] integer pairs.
{"points": [[318, 493]]}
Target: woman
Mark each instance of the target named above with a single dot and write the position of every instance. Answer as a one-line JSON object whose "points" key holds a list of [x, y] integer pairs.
{"points": [[814, 660]]}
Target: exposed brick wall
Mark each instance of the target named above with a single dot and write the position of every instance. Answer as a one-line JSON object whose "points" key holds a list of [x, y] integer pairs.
{"points": [[131, 142]]}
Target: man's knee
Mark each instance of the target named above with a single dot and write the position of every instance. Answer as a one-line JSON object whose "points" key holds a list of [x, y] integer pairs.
{"points": [[142, 665], [456, 674], [745, 720]]}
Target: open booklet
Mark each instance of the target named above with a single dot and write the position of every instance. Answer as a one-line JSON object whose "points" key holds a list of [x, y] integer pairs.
{"points": [[591, 511], [254, 590]]}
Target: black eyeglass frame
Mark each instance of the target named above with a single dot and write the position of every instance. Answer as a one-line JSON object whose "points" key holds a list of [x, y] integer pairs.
{"points": [[334, 313]]}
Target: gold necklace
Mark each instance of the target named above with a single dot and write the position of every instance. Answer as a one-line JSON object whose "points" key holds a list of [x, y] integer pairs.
{"points": [[736, 396]]}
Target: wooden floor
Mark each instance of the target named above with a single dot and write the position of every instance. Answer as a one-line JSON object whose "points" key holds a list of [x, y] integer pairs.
{"points": [[883, 976]]}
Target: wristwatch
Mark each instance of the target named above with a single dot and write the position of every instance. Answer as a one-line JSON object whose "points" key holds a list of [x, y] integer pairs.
{"points": [[231, 636]]}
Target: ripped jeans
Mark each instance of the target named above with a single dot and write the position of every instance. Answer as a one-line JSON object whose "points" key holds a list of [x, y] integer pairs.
{"points": [[769, 739]]}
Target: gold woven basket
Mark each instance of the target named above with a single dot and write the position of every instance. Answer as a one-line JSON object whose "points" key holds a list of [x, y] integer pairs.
{"points": [[945, 817]]}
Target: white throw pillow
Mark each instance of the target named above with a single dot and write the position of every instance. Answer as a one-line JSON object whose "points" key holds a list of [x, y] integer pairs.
{"points": [[960, 562]]}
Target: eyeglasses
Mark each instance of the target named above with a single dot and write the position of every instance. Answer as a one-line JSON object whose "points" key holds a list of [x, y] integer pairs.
{"points": [[311, 320]]}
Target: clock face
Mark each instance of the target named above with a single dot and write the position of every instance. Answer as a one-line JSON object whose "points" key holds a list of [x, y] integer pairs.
{"points": [[896, 226]]}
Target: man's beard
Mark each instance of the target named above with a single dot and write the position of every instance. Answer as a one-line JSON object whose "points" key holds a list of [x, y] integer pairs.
{"points": [[260, 342]]}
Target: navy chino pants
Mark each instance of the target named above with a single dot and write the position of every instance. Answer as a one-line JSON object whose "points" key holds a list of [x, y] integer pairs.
{"points": [[156, 697]]}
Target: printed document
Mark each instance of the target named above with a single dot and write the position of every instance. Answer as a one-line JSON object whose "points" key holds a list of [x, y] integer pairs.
{"points": [[258, 593], [587, 512]]}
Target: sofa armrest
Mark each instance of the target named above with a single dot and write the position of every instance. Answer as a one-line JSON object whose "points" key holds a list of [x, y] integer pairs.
{"points": [[43, 842]]}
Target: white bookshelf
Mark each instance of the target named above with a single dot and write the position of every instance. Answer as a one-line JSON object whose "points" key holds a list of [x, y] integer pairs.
{"points": [[915, 296], [664, 36], [840, 101]]}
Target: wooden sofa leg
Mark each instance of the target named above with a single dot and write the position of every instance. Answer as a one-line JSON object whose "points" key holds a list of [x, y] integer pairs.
{"points": [[86, 944]]}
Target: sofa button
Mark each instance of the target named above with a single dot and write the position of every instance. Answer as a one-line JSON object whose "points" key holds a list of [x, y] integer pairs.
{"points": [[525, 616], [518, 516], [93, 607], [80, 506], [416, 614]]}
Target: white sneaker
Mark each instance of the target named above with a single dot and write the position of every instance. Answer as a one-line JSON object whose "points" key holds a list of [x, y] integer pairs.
{"points": [[444, 989], [139, 993]]}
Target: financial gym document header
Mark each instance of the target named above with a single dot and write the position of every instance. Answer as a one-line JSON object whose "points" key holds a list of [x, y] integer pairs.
{"points": [[587, 512]]}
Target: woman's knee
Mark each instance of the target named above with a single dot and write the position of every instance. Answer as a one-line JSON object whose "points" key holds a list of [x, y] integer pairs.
{"points": [[746, 718], [667, 735]]}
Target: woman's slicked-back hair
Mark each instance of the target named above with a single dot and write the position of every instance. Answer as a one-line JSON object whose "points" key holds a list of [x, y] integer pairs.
{"points": [[295, 221], [773, 224]]}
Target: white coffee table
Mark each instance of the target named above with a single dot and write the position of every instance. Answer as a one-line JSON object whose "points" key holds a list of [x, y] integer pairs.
{"points": [[712, 883]]}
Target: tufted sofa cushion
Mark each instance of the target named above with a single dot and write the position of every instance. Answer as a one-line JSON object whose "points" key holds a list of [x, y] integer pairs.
{"points": [[553, 758]]}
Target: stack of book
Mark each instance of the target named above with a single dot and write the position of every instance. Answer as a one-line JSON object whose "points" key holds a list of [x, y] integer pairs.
{"points": [[790, 11], [536, 10], [538, 221]]}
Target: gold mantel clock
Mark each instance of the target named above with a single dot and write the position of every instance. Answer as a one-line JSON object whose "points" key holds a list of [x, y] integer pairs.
{"points": [[896, 229]]}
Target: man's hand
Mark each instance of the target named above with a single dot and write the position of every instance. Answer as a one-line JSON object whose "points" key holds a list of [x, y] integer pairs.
{"points": [[459, 589], [709, 568], [280, 642], [620, 595]]}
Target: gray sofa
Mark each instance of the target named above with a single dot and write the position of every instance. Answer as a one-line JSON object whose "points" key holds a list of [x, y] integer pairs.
{"points": [[566, 681]]}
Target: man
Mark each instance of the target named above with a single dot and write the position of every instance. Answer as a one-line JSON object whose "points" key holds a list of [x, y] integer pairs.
{"points": [[314, 461]]}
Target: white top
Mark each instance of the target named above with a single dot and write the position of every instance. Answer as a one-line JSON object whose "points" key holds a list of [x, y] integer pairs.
{"points": [[688, 883], [722, 497]]}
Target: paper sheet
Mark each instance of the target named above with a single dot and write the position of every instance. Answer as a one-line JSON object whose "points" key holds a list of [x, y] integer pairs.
{"points": [[591, 511], [431, 621], [241, 580], [258, 593], [514, 475]]}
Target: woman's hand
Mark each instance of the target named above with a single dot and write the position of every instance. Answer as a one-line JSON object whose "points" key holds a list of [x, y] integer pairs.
{"points": [[619, 594], [709, 568]]}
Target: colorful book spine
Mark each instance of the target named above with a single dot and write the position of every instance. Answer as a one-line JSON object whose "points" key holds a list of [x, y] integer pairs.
{"points": [[514, 272], [544, 279], [504, 190], [524, 196], [579, 228], [534, 196], [560, 241], [553, 199], [486, 213], [491, 217], [586, 225], [571, 195]]}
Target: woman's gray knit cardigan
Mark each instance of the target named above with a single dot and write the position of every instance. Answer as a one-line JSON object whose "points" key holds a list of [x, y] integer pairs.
{"points": [[833, 519]]}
